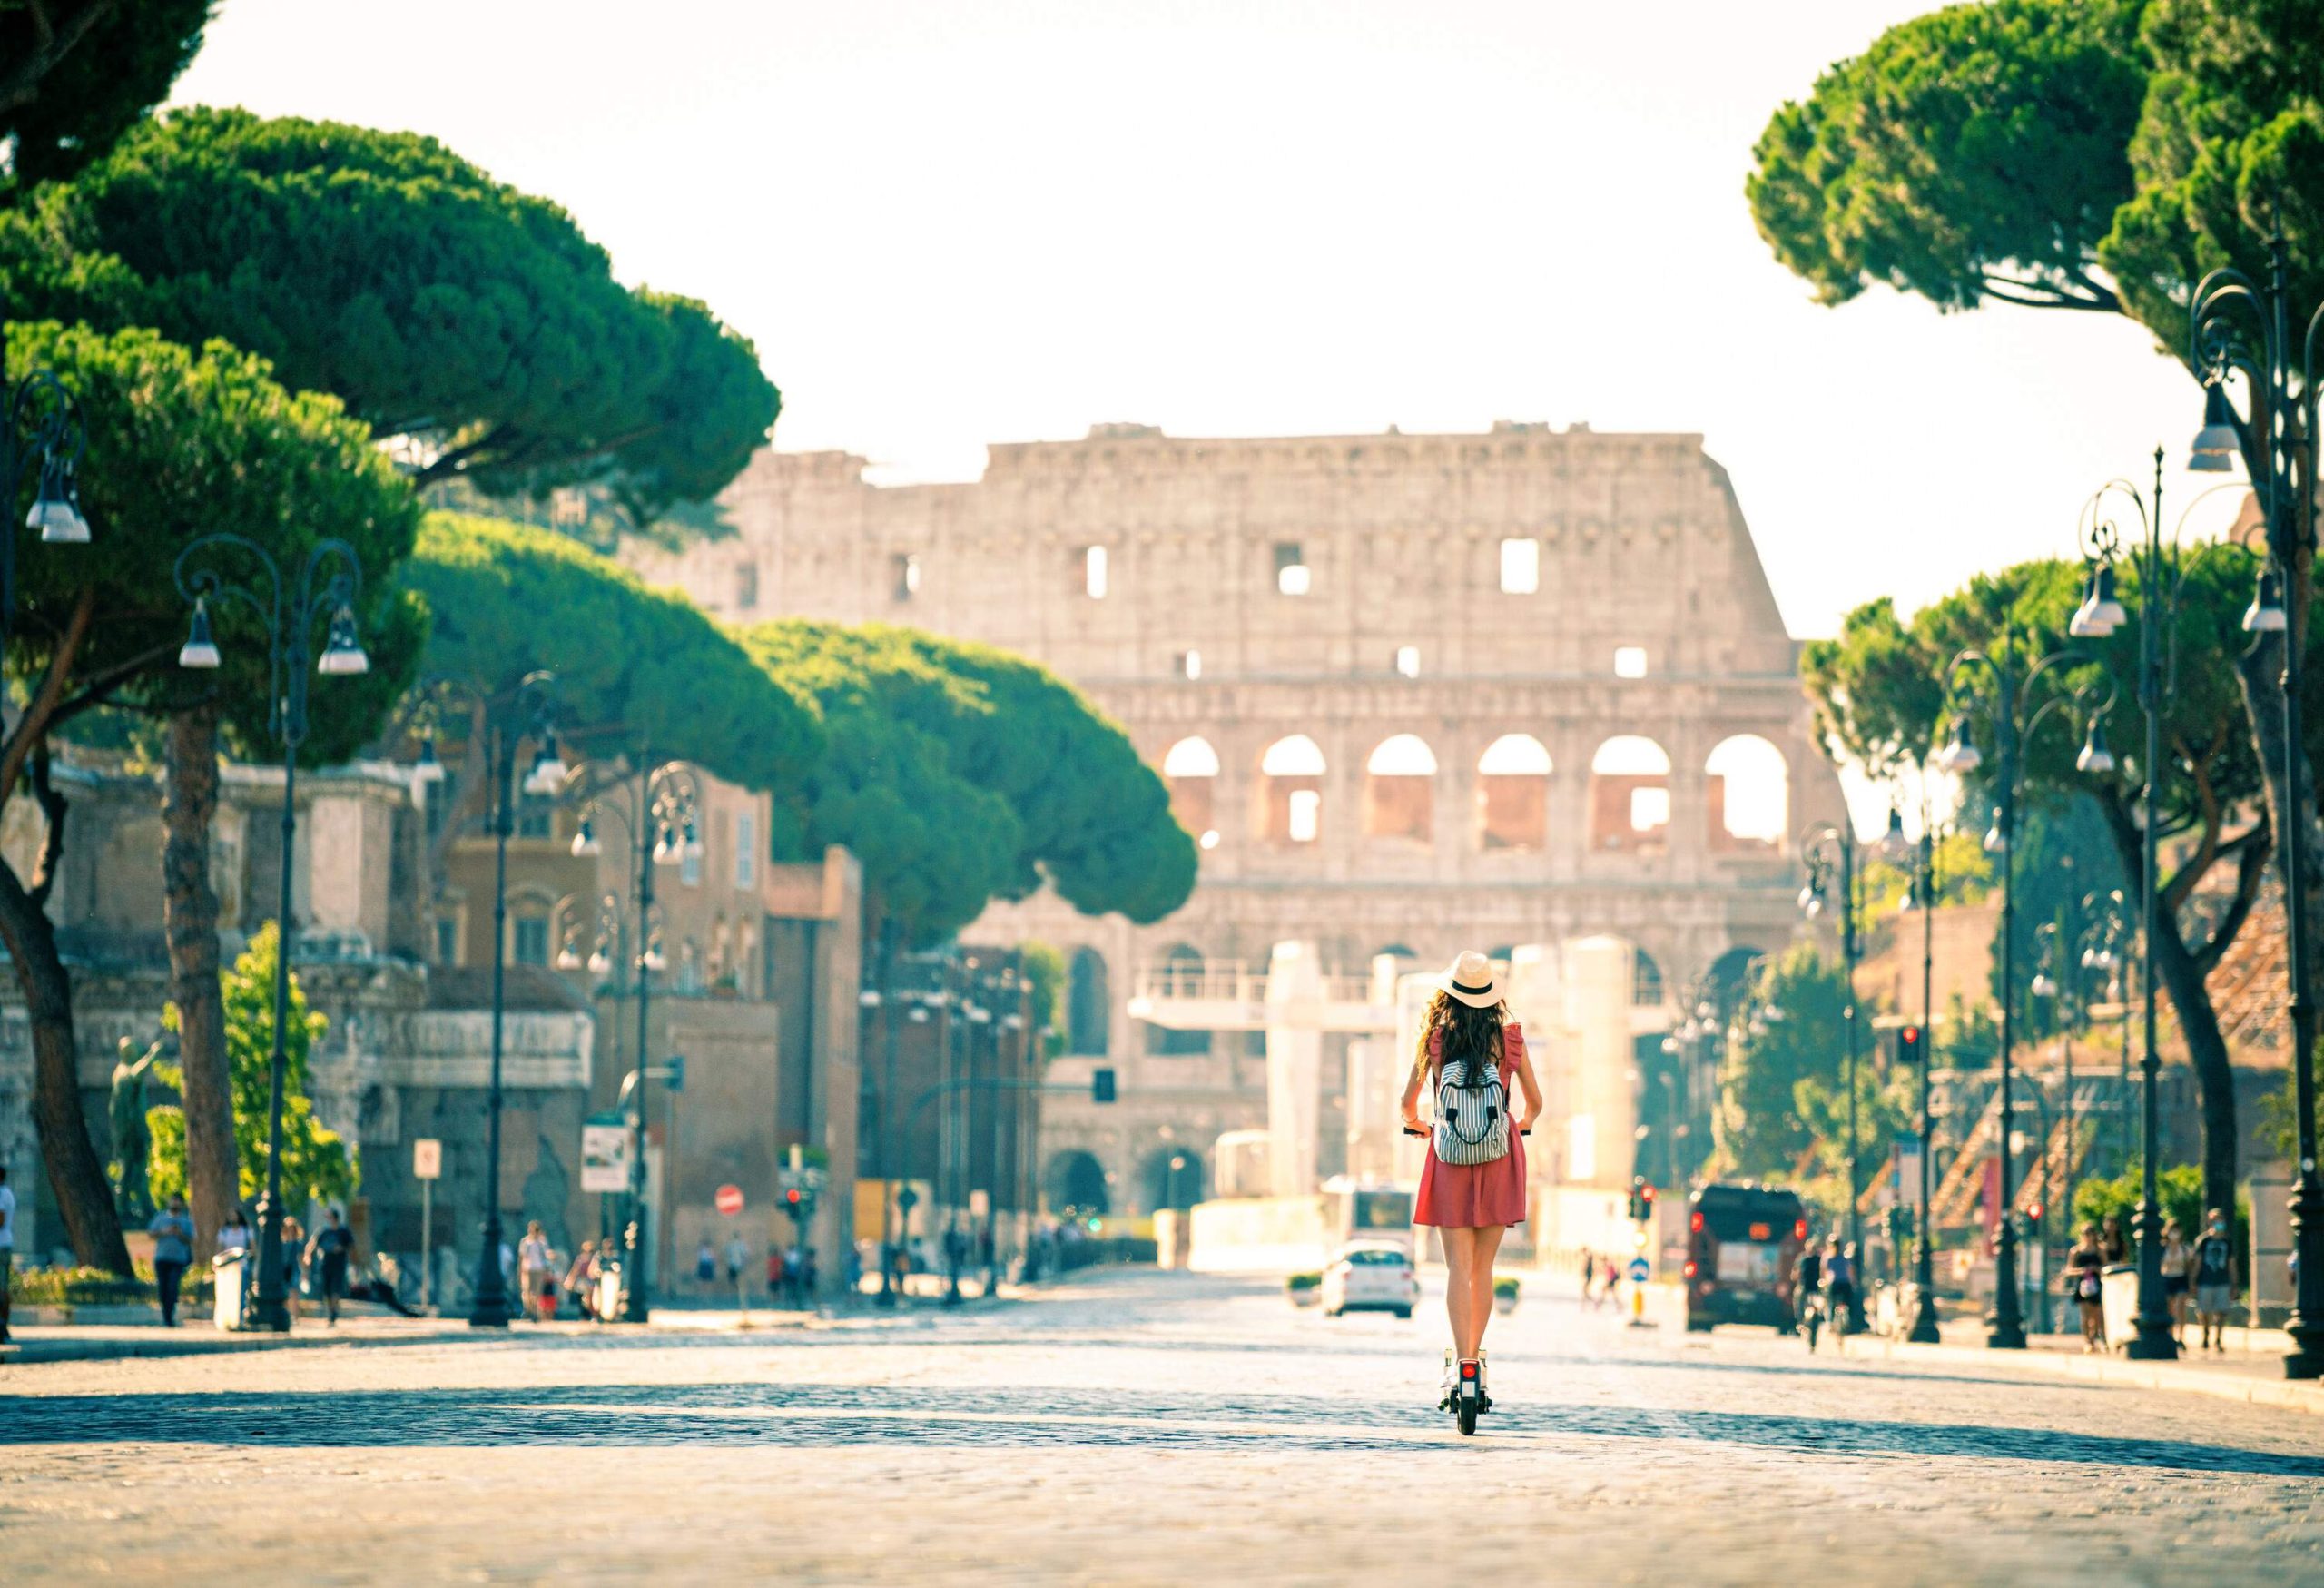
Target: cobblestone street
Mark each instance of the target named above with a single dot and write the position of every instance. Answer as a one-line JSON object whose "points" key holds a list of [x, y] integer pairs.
{"points": [[1137, 1428]]}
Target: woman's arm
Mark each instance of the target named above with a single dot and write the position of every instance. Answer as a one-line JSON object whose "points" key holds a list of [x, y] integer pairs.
{"points": [[1530, 1087], [1411, 1104]]}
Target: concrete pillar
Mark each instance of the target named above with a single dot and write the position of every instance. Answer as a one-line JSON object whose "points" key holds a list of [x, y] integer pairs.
{"points": [[1604, 1119], [342, 886], [1294, 1067]]}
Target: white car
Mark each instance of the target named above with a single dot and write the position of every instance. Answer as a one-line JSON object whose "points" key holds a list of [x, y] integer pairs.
{"points": [[1370, 1276]]}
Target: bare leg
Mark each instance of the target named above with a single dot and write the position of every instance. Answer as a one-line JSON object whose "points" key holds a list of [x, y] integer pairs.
{"points": [[1459, 1289], [1488, 1243]]}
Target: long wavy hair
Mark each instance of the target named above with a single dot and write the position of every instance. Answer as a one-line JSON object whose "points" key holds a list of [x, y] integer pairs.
{"points": [[1470, 1034]]}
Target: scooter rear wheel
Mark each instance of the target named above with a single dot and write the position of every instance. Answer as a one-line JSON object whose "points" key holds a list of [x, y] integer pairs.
{"points": [[1466, 1409]]}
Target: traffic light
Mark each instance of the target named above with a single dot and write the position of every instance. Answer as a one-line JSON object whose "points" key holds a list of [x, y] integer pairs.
{"points": [[677, 1080], [795, 1203], [1910, 1041], [1101, 1086], [1641, 1198]]}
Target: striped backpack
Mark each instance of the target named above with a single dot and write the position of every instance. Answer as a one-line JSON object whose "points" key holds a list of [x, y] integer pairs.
{"points": [[1472, 1108]]}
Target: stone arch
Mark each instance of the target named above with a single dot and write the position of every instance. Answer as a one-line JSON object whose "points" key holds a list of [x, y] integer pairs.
{"points": [[1630, 796], [1088, 1003], [1180, 969], [1513, 794], [1646, 991], [1074, 1185], [1172, 1177], [1190, 768], [1747, 795], [1291, 792], [1399, 789]]}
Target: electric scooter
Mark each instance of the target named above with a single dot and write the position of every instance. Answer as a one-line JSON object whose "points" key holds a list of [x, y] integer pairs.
{"points": [[1467, 1397]]}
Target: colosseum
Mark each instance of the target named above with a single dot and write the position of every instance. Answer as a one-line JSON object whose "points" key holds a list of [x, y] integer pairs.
{"points": [[1413, 693]]}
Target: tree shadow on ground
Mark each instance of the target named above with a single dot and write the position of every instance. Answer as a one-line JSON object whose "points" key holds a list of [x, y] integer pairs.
{"points": [[811, 1417]]}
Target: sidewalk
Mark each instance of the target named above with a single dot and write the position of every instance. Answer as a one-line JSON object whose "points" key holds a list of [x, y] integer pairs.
{"points": [[369, 1325], [2251, 1370]]}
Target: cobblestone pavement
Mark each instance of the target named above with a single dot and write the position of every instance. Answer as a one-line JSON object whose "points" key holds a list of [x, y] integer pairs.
{"points": [[1138, 1427]]}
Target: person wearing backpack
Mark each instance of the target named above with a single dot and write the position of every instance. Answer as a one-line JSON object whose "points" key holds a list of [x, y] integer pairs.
{"points": [[1473, 1187]]}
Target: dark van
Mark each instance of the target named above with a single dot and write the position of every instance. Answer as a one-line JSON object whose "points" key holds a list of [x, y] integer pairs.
{"points": [[1743, 1246]]}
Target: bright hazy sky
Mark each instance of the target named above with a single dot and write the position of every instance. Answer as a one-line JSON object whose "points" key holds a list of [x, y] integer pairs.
{"points": [[946, 223]]}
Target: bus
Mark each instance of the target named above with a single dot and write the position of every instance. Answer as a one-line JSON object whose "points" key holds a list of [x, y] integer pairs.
{"points": [[1367, 1209], [1743, 1246]]}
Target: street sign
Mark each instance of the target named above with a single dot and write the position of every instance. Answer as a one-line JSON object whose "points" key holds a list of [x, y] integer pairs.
{"points": [[980, 1204], [604, 1153], [427, 1159], [1640, 1271], [730, 1201], [907, 1198]]}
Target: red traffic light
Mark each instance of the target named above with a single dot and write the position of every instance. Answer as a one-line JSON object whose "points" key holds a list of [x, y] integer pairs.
{"points": [[1908, 1044], [791, 1196]]}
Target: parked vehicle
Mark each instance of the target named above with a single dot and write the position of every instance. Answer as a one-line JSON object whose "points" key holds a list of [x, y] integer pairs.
{"points": [[1370, 1276], [1743, 1246]]}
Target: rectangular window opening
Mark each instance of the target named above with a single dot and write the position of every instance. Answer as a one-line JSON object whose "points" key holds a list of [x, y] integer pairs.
{"points": [[1291, 572], [906, 567], [532, 941], [1189, 665], [1306, 816], [1094, 572], [1629, 661], [1650, 809], [1520, 567], [1407, 661], [746, 849]]}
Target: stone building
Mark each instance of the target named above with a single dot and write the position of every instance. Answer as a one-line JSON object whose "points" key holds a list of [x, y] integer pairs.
{"points": [[1411, 694]]}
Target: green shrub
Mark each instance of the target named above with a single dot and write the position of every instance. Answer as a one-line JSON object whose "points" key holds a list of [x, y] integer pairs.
{"points": [[1302, 1281], [2181, 1190], [77, 1287], [1505, 1285]]}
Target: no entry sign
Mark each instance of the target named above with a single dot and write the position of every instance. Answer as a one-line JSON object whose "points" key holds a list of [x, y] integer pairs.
{"points": [[729, 1200]]}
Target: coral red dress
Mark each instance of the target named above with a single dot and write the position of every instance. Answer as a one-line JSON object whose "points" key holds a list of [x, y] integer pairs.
{"points": [[1473, 1196]]}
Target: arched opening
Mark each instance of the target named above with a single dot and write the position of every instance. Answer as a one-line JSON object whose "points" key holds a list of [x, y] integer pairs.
{"points": [[1747, 795], [1646, 980], [1399, 783], [1073, 1185], [1191, 770], [1089, 1004], [1172, 1177], [1630, 796], [1179, 974], [1513, 794], [1291, 792]]}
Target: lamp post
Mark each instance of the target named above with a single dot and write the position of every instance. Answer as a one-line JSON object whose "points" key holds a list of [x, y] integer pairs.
{"points": [[665, 808], [290, 635], [882, 997], [44, 439], [2009, 708], [2161, 576], [2100, 938], [2228, 308], [509, 715], [1921, 897], [1830, 851]]}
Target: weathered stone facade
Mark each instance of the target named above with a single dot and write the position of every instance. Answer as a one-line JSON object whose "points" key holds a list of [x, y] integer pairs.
{"points": [[1415, 693]]}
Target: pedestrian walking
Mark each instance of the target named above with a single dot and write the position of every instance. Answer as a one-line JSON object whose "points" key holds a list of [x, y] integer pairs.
{"points": [[794, 1275], [1807, 1293], [809, 1279], [7, 1247], [328, 1252], [705, 1267], [536, 1270], [774, 1274], [2214, 1279], [580, 1280], [1589, 1272], [1839, 1289], [2085, 1265], [294, 1263], [1608, 1278], [2178, 1277], [1472, 1055], [738, 1257], [173, 1234], [234, 1235], [2114, 1241]]}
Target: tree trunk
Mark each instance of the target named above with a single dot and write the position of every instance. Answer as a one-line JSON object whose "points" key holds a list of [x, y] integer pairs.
{"points": [[190, 921], [2182, 980], [2260, 672], [75, 1173]]}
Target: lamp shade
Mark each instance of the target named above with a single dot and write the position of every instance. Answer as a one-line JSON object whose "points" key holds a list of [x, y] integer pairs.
{"points": [[342, 651], [2218, 449], [1962, 755], [427, 768], [547, 775], [2266, 613], [2095, 757], [199, 651], [55, 512]]}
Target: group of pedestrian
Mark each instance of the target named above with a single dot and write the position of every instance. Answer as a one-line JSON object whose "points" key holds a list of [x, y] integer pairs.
{"points": [[2201, 1273], [790, 1274], [1598, 1279]]}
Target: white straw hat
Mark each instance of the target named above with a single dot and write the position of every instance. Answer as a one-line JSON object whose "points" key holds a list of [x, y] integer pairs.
{"points": [[1471, 981]]}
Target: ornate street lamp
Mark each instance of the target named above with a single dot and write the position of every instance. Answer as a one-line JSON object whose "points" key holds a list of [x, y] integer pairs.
{"points": [[290, 635], [1830, 854], [2015, 719], [1921, 897], [43, 441], [509, 715], [2162, 573], [663, 816], [2228, 310]]}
